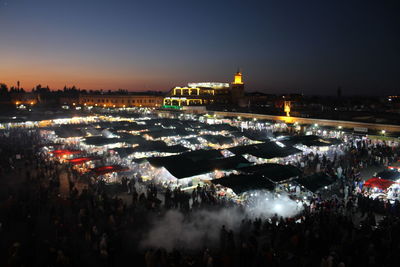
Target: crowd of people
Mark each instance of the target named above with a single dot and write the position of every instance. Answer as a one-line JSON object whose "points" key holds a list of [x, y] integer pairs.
{"points": [[45, 223]]}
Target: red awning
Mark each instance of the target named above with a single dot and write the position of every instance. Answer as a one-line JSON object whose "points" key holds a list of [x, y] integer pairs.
{"points": [[62, 152], [82, 160], [109, 169], [378, 183]]}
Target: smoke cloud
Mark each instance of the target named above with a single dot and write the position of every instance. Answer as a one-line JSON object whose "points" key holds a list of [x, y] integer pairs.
{"points": [[264, 204], [202, 228]]}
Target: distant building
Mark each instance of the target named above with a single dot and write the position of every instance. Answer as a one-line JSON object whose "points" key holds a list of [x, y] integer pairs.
{"points": [[69, 100], [24, 98], [120, 100], [206, 93]]}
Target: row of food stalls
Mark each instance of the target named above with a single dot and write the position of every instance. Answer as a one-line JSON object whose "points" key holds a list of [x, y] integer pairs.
{"points": [[126, 139], [185, 153]]}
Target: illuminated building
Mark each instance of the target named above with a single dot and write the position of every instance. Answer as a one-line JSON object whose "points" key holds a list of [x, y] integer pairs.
{"points": [[238, 78], [121, 100], [194, 96], [237, 88], [205, 93]]}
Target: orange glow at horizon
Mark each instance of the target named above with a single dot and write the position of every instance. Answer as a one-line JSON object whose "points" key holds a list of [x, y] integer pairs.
{"points": [[56, 82], [89, 76]]}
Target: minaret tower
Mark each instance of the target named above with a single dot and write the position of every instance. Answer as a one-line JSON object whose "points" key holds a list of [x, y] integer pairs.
{"points": [[237, 88]]}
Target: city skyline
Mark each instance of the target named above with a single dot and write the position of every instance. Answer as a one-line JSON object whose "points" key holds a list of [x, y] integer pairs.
{"points": [[281, 48]]}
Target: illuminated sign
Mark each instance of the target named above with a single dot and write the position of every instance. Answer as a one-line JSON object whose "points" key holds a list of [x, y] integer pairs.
{"points": [[171, 106]]}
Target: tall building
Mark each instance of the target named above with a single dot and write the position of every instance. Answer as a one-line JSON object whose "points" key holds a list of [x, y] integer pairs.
{"points": [[237, 88], [206, 93]]}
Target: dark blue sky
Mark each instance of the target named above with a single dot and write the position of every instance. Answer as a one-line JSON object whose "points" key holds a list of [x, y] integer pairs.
{"points": [[281, 46]]}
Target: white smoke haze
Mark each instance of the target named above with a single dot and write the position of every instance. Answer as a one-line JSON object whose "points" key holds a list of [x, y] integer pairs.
{"points": [[264, 204], [173, 230], [202, 228]]}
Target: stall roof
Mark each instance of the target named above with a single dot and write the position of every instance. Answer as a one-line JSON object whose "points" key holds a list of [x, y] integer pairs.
{"points": [[92, 131], [316, 181], [309, 140], [131, 139], [266, 150], [256, 135], [193, 140], [109, 124], [379, 183], [101, 141], [219, 127], [182, 166], [389, 175], [124, 138], [274, 172], [203, 154], [237, 134], [66, 132], [124, 151], [159, 146], [195, 124], [243, 183], [168, 132], [149, 146], [218, 139]]}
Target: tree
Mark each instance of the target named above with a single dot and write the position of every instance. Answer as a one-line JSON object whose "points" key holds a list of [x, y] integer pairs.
{"points": [[3, 88]]}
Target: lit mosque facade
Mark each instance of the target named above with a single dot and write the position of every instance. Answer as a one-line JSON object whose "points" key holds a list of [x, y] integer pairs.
{"points": [[206, 93]]}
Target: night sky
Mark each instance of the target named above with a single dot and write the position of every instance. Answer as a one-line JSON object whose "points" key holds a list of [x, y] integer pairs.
{"points": [[308, 47]]}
